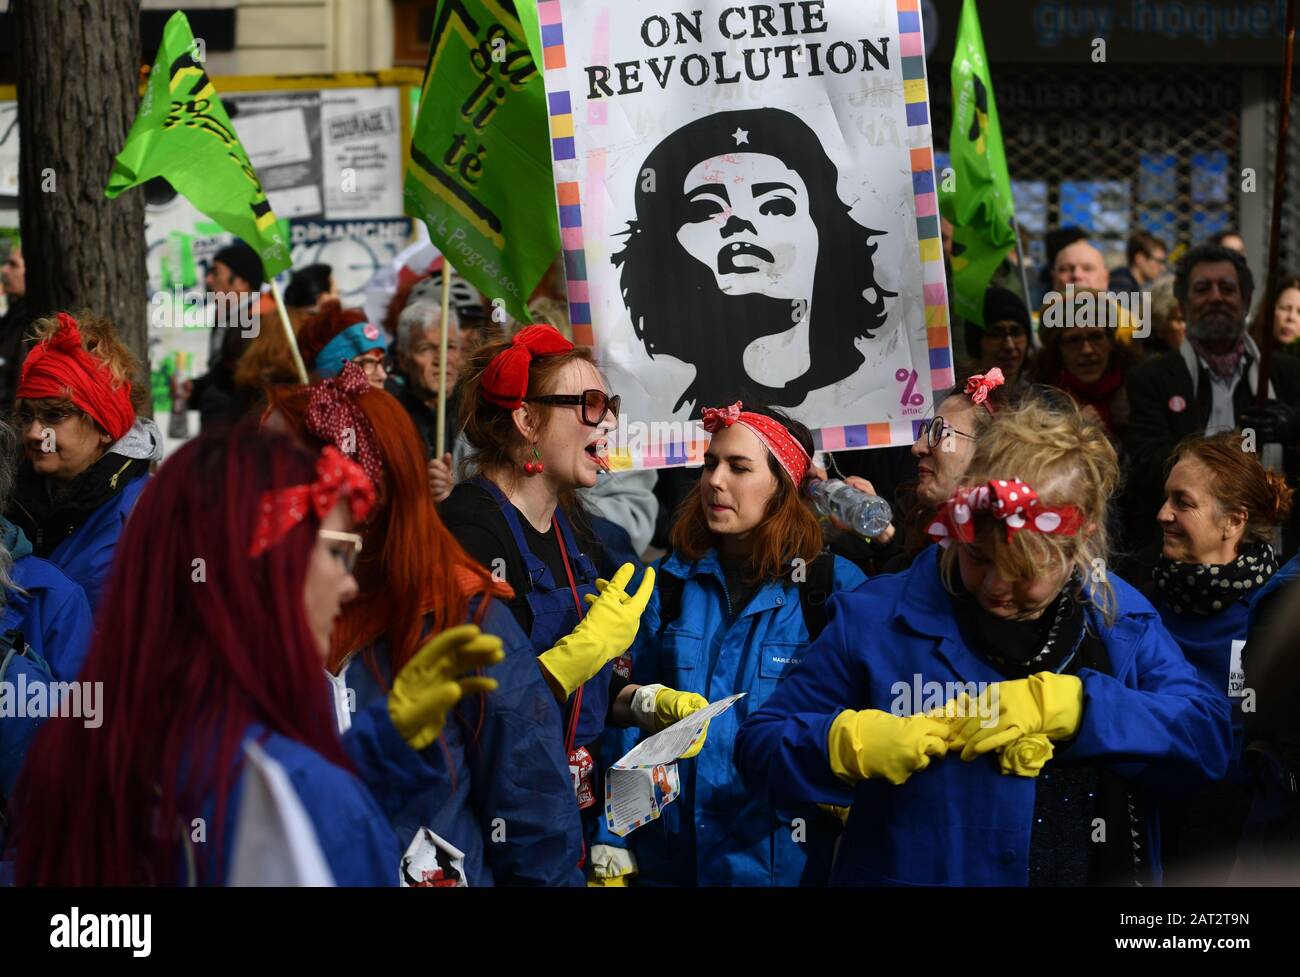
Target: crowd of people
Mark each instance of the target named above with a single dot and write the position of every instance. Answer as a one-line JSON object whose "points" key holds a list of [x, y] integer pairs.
{"points": [[1065, 663]]}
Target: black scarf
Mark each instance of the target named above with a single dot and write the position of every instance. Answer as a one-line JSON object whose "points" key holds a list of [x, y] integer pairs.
{"points": [[48, 518], [1209, 588], [1064, 847], [1018, 649]]}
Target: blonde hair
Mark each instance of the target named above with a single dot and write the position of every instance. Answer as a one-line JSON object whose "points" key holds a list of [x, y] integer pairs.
{"points": [[1066, 460]]}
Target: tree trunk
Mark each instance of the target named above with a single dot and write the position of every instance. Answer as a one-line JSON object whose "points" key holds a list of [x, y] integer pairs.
{"points": [[78, 91]]}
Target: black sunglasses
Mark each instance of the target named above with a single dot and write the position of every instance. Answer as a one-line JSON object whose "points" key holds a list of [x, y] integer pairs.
{"points": [[594, 404]]}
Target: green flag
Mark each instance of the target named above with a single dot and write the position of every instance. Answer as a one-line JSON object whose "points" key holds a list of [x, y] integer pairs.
{"points": [[480, 171], [182, 133], [979, 206]]}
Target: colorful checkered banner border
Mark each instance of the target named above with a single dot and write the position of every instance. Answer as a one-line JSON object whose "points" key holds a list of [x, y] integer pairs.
{"points": [[747, 209]]}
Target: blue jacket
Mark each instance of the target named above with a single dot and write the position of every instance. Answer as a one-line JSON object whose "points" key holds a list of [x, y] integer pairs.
{"points": [[1213, 644], [17, 732], [349, 811], [1153, 722], [716, 832], [87, 555], [50, 609], [503, 794]]}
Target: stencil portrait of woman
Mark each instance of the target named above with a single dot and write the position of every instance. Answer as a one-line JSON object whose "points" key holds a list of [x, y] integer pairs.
{"points": [[743, 261]]}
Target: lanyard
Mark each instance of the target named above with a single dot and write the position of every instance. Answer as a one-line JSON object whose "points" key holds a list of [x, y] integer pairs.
{"points": [[575, 707]]}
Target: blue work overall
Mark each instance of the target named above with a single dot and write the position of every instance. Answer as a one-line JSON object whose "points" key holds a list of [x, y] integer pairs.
{"points": [[554, 607]]}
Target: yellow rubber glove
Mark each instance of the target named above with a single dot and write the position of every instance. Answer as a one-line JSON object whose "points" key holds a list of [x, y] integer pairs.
{"points": [[435, 679], [1044, 703], [607, 631], [874, 744], [672, 706], [610, 867]]}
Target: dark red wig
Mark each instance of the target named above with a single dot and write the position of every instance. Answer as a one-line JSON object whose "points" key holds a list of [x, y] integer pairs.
{"points": [[189, 654]]}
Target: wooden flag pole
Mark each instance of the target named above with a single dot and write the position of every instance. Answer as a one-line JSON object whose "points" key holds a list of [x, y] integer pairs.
{"points": [[1279, 195], [288, 332], [442, 359]]}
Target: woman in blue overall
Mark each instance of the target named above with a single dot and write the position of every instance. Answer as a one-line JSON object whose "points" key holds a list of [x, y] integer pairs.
{"points": [[1004, 712], [215, 626], [86, 452], [537, 413], [731, 614], [1221, 507], [503, 799]]}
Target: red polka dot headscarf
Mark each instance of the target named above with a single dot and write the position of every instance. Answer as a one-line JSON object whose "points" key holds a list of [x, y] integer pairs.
{"points": [[1009, 500], [282, 509], [787, 450]]}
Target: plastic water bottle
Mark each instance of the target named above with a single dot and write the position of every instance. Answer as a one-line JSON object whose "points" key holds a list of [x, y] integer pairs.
{"points": [[869, 515]]}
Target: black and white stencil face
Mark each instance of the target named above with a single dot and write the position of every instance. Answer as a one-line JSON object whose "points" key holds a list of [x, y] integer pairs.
{"points": [[741, 259], [750, 223]]}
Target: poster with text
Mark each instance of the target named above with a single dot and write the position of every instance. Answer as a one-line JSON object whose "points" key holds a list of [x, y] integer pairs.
{"points": [[747, 209]]}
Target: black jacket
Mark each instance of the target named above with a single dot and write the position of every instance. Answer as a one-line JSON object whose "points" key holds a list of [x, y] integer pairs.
{"points": [[1156, 388], [13, 350]]}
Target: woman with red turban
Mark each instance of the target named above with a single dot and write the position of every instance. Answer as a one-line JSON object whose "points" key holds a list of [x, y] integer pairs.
{"points": [[86, 451]]}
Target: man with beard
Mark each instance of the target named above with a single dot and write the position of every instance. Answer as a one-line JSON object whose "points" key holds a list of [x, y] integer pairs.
{"points": [[744, 262], [1209, 384]]}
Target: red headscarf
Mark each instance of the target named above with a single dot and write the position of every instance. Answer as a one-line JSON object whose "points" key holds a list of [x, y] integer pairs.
{"points": [[60, 367], [505, 381], [789, 453]]}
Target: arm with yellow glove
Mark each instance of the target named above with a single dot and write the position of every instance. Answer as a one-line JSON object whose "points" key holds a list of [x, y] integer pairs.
{"points": [[384, 738], [605, 632], [871, 744], [656, 707], [436, 678]]}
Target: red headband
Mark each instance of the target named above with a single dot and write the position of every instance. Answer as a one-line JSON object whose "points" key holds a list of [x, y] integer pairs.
{"points": [[333, 412], [981, 385], [505, 381], [783, 445], [282, 509], [59, 367], [1012, 501]]}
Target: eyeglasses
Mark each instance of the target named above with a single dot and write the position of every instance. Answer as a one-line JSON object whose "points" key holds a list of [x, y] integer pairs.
{"points": [[370, 363], [1075, 341], [22, 417], [1002, 335], [935, 429], [594, 404], [347, 557]]}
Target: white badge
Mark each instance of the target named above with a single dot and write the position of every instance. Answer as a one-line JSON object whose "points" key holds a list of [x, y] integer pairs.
{"points": [[1236, 674]]}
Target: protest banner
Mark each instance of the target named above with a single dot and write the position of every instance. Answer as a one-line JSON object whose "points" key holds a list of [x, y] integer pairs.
{"points": [[747, 209]]}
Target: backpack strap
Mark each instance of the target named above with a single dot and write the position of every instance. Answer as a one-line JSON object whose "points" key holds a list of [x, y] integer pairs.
{"points": [[669, 588], [12, 644], [815, 590]]}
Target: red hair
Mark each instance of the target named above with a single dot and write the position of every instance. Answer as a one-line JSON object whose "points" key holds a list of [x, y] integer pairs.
{"points": [[411, 565], [188, 660], [317, 330]]}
